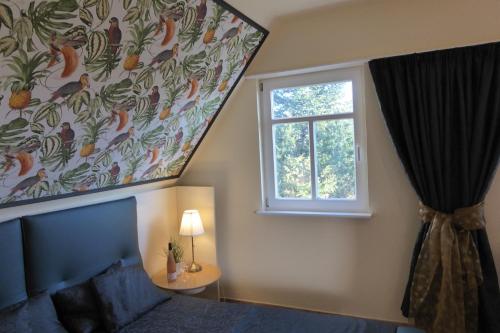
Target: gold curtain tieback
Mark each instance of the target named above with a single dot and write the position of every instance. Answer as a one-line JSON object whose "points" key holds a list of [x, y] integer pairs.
{"points": [[444, 292]]}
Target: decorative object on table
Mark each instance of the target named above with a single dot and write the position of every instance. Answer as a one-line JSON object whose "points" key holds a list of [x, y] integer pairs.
{"points": [[178, 253], [179, 266], [171, 266], [191, 225], [102, 94]]}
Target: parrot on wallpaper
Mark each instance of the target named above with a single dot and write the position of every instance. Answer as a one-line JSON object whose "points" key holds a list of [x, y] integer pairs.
{"points": [[189, 105], [67, 135], [178, 136], [231, 33], [29, 182], [154, 98], [165, 55], [114, 34], [71, 88], [201, 12], [114, 171], [120, 138], [218, 70]]}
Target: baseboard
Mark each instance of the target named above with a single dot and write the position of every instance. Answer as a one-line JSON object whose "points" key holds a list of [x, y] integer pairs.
{"points": [[245, 301]]}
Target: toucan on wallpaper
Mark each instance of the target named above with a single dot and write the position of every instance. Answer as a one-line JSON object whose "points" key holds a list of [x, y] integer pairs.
{"points": [[101, 93]]}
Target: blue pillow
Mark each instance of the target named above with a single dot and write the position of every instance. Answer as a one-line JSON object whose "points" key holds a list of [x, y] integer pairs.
{"points": [[35, 315], [125, 294], [78, 306]]}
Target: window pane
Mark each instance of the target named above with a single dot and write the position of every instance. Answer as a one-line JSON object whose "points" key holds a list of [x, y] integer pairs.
{"points": [[319, 99], [335, 159], [292, 160]]}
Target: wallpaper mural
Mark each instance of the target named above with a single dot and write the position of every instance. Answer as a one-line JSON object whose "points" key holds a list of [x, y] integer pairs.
{"points": [[100, 93]]}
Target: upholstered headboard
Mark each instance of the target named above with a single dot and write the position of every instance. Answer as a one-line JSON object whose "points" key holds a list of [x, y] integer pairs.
{"points": [[64, 248], [12, 286]]}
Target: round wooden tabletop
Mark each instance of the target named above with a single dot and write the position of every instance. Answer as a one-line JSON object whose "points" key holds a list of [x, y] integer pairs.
{"points": [[188, 281]]}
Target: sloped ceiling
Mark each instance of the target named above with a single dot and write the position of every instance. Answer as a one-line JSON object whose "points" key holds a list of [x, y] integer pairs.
{"points": [[265, 11], [98, 95]]}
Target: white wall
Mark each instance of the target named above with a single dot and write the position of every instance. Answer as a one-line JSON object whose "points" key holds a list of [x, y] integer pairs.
{"points": [[354, 267], [156, 223], [202, 199], [159, 215], [81, 200]]}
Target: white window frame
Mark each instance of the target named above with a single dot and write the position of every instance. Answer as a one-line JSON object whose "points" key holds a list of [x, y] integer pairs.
{"points": [[270, 204]]}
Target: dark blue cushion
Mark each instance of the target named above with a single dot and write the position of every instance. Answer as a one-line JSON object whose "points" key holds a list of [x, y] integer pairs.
{"points": [[78, 306], [12, 283], [35, 315], [66, 248], [125, 294]]}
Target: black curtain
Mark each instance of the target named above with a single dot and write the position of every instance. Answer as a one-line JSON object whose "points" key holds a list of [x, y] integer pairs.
{"points": [[442, 110]]}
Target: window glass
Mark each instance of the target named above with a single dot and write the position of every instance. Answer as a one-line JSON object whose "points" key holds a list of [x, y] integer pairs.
{"points": [[312, 100], [292, 160], [335, 159]]}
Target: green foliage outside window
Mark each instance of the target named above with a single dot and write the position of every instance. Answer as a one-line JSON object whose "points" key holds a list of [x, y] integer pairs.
{"points": [[333, 142]]}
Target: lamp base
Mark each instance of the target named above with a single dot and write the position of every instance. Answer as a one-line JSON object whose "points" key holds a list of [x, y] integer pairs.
{"points": [[194, 268]]}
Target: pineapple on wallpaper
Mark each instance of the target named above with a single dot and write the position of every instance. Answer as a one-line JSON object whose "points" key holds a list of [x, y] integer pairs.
{"points": [[99, 93]]}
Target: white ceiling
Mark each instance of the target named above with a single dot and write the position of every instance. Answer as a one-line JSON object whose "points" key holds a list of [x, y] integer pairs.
{"points": [[264, 11]]}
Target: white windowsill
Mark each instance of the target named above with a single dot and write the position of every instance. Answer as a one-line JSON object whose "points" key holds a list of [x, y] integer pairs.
{"points": [[351, 215]]}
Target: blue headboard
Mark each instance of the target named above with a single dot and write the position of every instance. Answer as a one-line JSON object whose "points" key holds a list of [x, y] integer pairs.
{"points": [[64, 248], [67, 247], [12, 285]]}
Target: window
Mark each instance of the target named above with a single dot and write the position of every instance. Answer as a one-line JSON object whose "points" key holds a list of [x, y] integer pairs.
{"points": [[313, 143]]}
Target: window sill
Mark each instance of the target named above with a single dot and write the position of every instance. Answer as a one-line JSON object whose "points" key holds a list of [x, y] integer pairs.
{"points": [[350, 215]]}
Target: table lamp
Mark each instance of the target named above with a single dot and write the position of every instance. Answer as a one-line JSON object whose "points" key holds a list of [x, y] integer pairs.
{"points": [[191, 225]]}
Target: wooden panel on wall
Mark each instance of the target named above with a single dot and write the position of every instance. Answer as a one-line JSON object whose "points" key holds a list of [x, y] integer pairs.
{"points": [[159, 215], [202, 199]]}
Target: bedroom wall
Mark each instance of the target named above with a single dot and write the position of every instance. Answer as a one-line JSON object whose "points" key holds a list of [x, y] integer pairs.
{"points": [[355, 267], [159, 215], [81, 200]]}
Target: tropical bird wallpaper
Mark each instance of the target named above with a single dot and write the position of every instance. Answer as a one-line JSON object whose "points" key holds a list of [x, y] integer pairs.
{"points": [[96, 94]]}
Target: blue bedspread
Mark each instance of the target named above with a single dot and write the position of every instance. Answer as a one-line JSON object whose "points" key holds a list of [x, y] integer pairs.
{"points": [[183, 314]]}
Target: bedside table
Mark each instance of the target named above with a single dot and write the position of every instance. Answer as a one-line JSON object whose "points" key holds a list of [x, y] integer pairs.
{"points": [[190, 283]]}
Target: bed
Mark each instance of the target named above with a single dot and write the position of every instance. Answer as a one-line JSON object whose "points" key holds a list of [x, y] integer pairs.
{"points": [[53, 251]]}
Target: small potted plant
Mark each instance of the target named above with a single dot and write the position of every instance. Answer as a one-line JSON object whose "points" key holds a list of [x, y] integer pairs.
{"points": [[178, 253]]}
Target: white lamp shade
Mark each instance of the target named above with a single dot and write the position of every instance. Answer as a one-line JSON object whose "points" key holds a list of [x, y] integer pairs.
{"points": [[191, 224]]}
